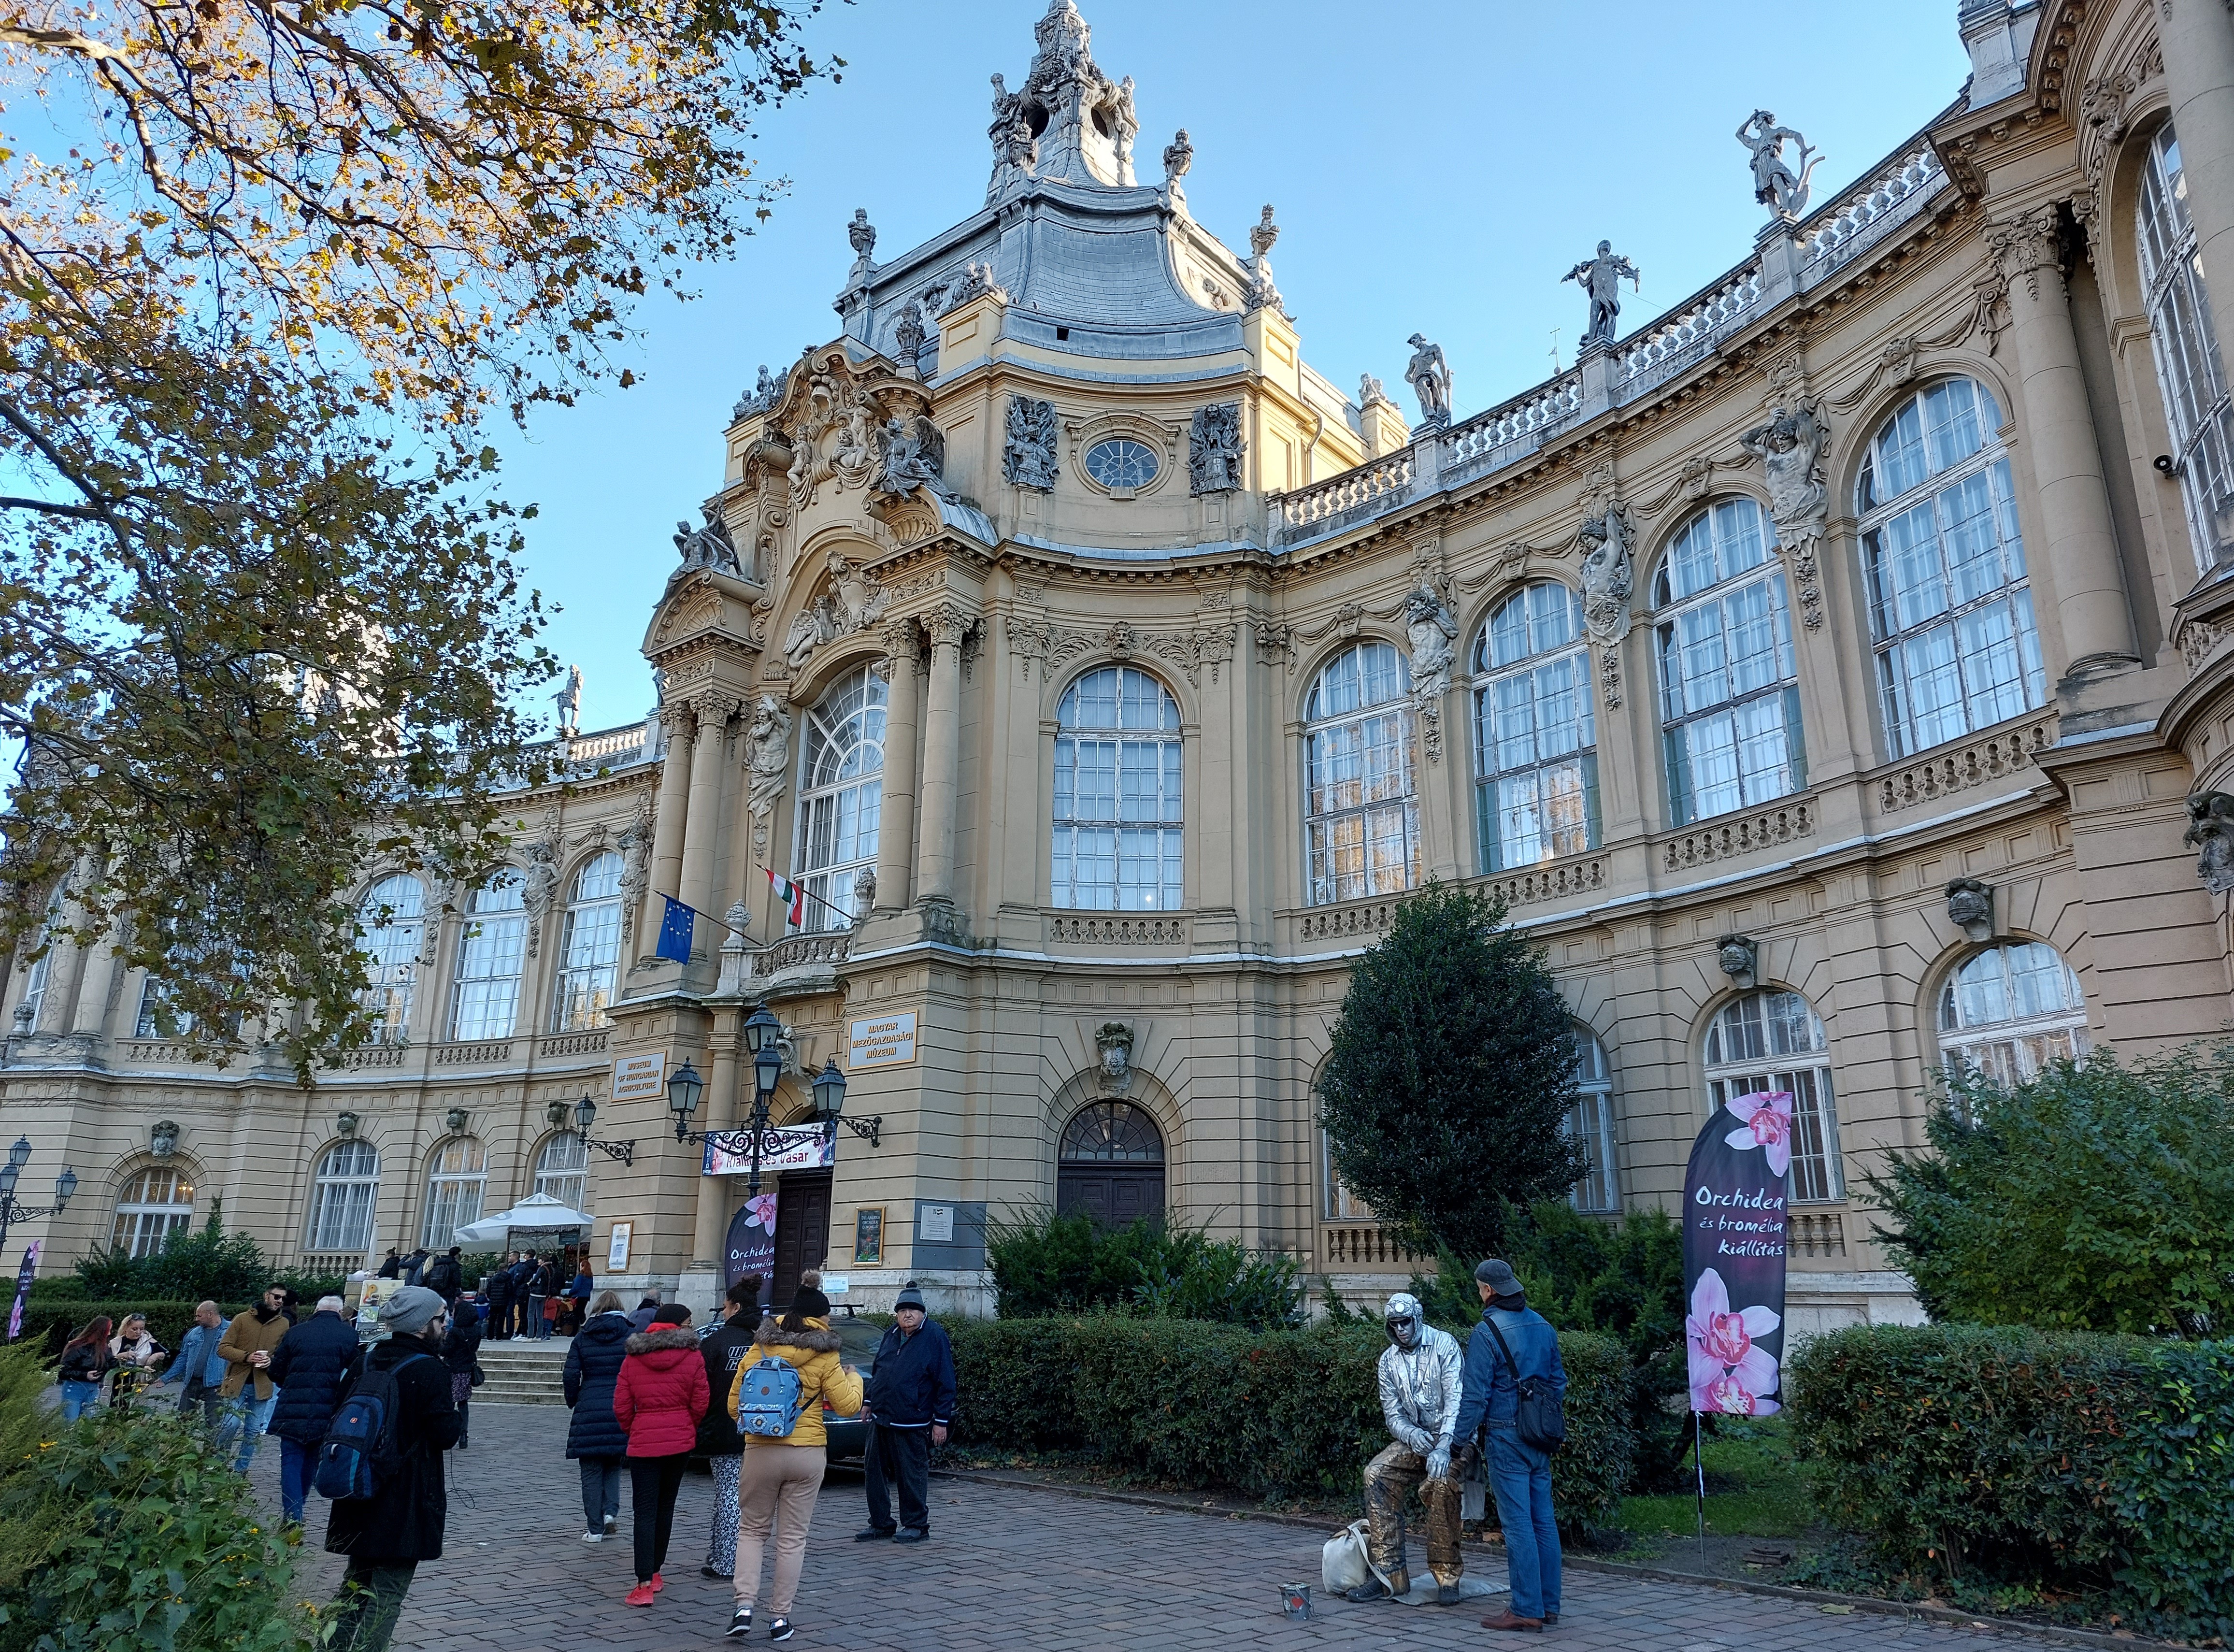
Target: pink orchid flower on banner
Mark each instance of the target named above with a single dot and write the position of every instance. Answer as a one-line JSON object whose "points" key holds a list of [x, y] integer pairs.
{"points": [[1728, 1372], [763, 1213], [1767, 1116]]}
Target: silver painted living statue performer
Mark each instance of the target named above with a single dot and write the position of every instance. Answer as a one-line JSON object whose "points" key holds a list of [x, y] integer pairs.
{"points": [[1429, 375], [1419, 1373], [1601, 278], [1775, 186]]}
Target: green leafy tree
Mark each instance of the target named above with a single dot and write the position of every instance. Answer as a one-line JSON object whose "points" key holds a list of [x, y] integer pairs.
{"points": [[1446, 1094], [2098, 1197]]}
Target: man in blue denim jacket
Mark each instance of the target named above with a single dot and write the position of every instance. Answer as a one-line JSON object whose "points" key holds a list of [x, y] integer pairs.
{"points": [[1520, 1475]]}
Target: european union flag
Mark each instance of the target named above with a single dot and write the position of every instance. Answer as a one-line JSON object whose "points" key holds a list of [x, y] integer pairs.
{"points": [[675, 931]]}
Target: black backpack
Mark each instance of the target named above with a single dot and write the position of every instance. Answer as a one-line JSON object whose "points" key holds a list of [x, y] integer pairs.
{"points": [[1539, 1416]]}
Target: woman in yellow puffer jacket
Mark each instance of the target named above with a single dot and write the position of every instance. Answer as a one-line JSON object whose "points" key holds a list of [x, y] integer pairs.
{"points": [[784, 1476]]}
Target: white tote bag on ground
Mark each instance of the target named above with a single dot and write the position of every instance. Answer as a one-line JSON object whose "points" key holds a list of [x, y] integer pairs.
{"points": [[1342, 1563]]}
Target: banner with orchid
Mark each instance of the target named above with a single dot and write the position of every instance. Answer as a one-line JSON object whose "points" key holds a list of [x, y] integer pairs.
{"points": [[1735, 1196]]}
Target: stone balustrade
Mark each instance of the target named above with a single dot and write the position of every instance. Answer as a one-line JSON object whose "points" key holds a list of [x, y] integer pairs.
{"points": [[2008, 751], [1817, 1234], [1869, 211], [1361, 489], [1553, 880], [1127, 929], [1368, 918], [493, 1052], [591, 1042], [826, 946], [1358, 1246], [1741, 833], [1687, 334]]}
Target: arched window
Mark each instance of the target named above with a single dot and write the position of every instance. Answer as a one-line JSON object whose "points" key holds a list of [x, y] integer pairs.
{"points": [[1536, 774], [1770, 1042], [42, 969], [1728, 706], [2189, 369], [562, 1169], [588, 947], [343, 1195], [154, 1204], [1949, 607], [156, 1018], [456, 1181], [841, 796], [1590, 1125], [485, 1001], [2011, 1011], [390, 921], [1361, 821], [1118, 819], [1109, 1164]]}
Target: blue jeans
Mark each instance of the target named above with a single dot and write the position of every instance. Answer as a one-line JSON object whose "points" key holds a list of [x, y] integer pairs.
{"points": [[248, 1415], [78, 1398], [298, 1460], [1521, 1476]]}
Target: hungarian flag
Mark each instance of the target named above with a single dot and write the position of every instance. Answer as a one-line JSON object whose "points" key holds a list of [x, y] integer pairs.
{"points": [[792, 898]]}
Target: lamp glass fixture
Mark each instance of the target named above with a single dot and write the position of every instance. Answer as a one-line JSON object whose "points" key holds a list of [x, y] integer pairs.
{"points": [[682, 1091], [761, 1030], [8, 1175], [585, 1113], [20, 1152], [65, 1186], [829, 1091]]}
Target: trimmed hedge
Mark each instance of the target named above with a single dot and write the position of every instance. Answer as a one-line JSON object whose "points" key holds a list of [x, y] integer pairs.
{"points": [[2050, 1459], [1272, 1415]]}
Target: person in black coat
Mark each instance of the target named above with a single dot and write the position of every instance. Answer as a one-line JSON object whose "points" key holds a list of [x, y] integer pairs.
{"points": [[497, 1281], [595, 1437], [910, 1400], [444, 1275], [393, 1268], [460, 1351], [307, 1367], [386, 1535]]}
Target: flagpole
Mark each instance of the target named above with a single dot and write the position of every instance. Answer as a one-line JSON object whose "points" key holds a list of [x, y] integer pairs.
{"points": [[678, 900], [844, 916], [1699, 1450]]}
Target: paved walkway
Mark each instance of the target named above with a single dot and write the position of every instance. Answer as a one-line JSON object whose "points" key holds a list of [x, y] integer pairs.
{"points": [[1007, 1569]]}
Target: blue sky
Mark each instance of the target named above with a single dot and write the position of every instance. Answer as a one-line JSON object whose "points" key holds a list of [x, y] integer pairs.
{"points": [[1437, 165]]}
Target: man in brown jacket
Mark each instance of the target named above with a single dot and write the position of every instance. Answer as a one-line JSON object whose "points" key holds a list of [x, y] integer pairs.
{"points": [[247, 1346]]}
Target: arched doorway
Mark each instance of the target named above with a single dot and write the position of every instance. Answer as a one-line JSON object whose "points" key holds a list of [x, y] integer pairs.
{"points": [[1110, 1163]]}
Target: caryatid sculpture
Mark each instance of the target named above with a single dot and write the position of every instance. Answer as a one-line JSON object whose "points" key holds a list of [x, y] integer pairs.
{"points": [[1430, 377], [1601, 278], [1775, 186]]}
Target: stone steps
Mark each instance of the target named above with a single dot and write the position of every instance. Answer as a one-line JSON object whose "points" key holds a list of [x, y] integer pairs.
{"points": [[524, 1374]]}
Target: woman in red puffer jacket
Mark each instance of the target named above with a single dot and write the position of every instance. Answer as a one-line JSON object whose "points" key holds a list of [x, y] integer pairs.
{"points": [[658, 1399]]}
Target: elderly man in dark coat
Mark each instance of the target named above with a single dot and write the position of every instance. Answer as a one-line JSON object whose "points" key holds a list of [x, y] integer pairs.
{"points": [[307, 1367], [387, 1534]]}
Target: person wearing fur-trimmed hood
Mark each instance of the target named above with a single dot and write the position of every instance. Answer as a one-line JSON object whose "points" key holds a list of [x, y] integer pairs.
{"points": [[658, 1397], [1420, 1377]]}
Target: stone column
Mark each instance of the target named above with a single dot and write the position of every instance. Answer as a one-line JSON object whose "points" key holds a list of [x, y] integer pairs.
{"points": [[942, 752], [705, 816], [706, 1243], [2067, 463], [92, 996], [896, 821], [2197, 37], [681, 727]]}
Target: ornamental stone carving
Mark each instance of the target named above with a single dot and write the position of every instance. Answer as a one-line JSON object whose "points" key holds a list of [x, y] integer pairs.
{"points": [[1600, 279], [908, 335], [1739, 955], [760, 398], [540, 888], [1112, 1043], [863, 236], [1609, 573], [812, 627], [1214, 449], [708, 546], [2210, 834], [1432, 633], [767, 762], [1370, 393], [2026, 244], [976, 282], [1429, 375], [634, 844], [1970, 908], [1775, 186], [1262, 293], [1028, 454], [1178, 156], [1790, 448], [911, 453]]}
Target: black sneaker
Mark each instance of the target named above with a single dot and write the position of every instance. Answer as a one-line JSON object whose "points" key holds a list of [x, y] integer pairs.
{"points": [[742, 1623], [779, 1629], [874, 1533], [708, 1571], [913, 1534], [1550, 1617], [1371, 1589]]}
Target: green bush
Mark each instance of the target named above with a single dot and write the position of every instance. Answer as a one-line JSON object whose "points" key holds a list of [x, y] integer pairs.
{"points": [[126, 1533], [2097, 1197], [193, 1264], [2060, 1461], [1279, 1414], [1045, 1263]]}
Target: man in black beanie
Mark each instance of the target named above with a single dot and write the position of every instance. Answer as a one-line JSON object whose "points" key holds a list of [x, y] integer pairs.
{"points": [[909, 1405]]}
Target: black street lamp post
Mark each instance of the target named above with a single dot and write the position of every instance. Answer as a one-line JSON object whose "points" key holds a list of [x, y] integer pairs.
{"points": [[11, 1211], [585, 1114]]}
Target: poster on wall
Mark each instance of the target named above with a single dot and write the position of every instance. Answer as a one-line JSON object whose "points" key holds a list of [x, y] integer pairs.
{"points": [[751, 1244], [1734, 1216], [617, 1247], [881, 1040], [868, 1234], [640, 1078], [729, 1152]]}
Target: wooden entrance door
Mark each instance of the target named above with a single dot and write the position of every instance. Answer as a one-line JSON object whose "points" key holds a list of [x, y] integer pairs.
{"points": [[1110, 1164], [802, 1230]]}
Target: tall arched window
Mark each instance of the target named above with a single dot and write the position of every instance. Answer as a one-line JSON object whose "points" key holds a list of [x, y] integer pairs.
{"points": [[841, 795], [2189, 369], [157, 1019], [588, 947], [485, 1000], [2011, 1011], [1728, 706], [1361, 819], [1590, 1125], [1949, 607], [342, 1194], [153, 1204], [1536, 774], [1118, 814], [1770, 1042], [42, 969], [390, 921], [455, 1180], [1109, 1164], [562, 1169]]}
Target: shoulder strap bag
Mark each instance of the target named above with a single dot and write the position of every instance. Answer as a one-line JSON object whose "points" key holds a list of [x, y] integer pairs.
{"points": [[1539, 1415]]}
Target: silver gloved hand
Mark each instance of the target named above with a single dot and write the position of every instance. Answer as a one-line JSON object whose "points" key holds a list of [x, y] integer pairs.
{"points": [[1439, 1463]]}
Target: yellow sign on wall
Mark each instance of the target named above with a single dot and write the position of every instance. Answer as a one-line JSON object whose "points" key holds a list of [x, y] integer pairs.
{"points": [[882, 1040], [640, 1078]]}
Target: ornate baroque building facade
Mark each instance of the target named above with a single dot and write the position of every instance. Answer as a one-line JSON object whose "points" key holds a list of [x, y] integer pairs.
{"points": [[1834, 674]]}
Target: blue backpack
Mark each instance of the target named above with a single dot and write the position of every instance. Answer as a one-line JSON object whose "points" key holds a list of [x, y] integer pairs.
{"points": [[767, 1399], [359, 1451]]}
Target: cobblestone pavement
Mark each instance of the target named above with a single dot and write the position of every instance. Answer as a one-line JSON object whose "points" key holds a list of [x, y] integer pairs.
{"points": [[1006, 1569]]}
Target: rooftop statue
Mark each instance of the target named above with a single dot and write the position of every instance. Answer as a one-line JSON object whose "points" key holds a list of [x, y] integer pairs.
{"points": [[709, 546], [570, 704], [1601, 278], [1178, 155], [1775, 186], [1430, 378], [863, 235], [914, 455], [1128, 127]]}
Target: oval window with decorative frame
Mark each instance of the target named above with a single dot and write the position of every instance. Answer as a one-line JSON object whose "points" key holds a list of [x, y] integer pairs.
{"points": [[1123, 464]]}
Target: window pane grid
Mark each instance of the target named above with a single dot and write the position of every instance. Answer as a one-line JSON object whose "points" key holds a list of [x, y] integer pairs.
{"points": [[2189, 371], [841, 799], [1590, 1125], [1534, 730], [1361, 830], [1119, 819], [2011, 1011], [343, 1196], [1744, 1044]]}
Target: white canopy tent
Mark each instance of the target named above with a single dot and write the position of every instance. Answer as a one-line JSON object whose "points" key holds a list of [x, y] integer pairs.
{"points": [[537, 1217]]}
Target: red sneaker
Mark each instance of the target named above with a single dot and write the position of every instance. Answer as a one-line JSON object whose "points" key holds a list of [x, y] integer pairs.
{"points": [[641, 1594], [658, 1583]]}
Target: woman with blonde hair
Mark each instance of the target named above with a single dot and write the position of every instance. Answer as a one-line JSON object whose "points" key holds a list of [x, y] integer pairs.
{"points": [[781, 1475]]}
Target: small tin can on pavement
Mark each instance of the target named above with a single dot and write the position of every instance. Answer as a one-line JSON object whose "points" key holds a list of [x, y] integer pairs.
{"points": [[1296, 1600]]}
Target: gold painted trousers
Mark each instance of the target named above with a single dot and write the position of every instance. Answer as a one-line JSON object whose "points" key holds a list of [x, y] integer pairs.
{"points": [[1387, 1478]]}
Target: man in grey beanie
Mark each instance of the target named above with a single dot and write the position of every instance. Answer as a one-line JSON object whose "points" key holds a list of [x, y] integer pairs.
{"points": [[1511, 1346]]}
